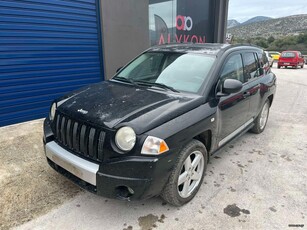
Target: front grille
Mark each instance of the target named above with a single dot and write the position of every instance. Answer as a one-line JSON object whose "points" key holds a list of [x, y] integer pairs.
{"points": [[82, 139]]}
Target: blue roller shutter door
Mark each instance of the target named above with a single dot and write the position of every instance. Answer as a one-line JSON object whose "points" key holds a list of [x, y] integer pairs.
{"points": [[47, 48]]}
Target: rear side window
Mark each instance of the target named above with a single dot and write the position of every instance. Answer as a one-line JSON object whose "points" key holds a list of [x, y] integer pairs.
{"points": [[251, 68], [288, 54]]}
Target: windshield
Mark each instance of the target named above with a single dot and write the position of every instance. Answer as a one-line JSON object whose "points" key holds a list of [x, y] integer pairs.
{"points": [[288, 54], [178, 71]]}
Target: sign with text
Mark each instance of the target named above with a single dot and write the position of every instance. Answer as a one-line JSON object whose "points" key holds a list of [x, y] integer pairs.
{"points": [[181, 21]]}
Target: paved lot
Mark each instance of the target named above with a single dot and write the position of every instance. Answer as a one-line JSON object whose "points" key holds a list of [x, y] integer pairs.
{"points": [[256, 182]]}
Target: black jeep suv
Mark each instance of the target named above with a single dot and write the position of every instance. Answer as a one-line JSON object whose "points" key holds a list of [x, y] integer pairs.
{"points": [[150, 129]]}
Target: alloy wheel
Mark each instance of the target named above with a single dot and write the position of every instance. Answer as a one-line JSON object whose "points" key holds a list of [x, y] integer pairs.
{"points": [[190, 174], [264, 115]]}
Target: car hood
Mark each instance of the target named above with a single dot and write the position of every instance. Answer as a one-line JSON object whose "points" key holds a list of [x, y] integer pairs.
{"points": [[112, 104]]}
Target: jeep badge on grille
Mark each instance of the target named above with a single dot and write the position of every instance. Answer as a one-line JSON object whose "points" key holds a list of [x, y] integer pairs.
{"points": [[82, 111]]}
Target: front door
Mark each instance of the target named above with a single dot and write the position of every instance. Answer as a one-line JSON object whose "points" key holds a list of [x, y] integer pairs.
{"points": [[233, 109]]}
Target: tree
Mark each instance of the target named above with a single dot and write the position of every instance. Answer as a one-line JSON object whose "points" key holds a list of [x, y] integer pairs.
{"points": [[271, 39], [302, 38]]}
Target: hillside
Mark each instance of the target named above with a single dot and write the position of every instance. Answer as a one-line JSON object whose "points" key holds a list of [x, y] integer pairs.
{"points": [[272, 27], [256, 19], [232, 23]]}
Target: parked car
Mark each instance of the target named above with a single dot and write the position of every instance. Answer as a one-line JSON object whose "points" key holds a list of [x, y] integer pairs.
{"points": [[275, 55], [291, 58], [152, 128], [305, 59], [270, 59]]}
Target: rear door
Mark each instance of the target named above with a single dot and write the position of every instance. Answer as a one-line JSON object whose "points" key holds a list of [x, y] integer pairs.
{"points": [[254, 69]]}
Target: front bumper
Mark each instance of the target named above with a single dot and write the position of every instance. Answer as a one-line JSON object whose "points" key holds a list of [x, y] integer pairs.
{"points": [[131, 178], [77, 166]]}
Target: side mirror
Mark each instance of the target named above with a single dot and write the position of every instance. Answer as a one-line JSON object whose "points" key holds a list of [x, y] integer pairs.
{"points": [[230, 86], [119, 69]]}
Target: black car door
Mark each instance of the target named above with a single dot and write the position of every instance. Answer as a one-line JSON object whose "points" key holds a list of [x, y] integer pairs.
{"points": [[254, 70], [232, 109]]}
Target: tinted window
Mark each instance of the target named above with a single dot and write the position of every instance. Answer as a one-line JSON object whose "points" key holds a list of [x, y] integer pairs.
{"points": [[251, 67], [233, 69], [288, 54]]}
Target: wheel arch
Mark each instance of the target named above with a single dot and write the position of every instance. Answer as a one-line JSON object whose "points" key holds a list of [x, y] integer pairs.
{"points": [[205, 138], [270, 98]]}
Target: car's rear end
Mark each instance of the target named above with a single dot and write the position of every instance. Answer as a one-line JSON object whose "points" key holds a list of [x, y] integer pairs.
{"points": [[274, 55], [288, 58]]}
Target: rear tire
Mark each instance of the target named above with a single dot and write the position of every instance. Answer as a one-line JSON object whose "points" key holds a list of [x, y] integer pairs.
{"points": [[302, 66], [278, 66], [262, 118], [187, 174]]}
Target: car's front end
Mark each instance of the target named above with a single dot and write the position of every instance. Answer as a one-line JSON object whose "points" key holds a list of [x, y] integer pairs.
{"points": [[103, 145], [111, 138], [99, 168]]}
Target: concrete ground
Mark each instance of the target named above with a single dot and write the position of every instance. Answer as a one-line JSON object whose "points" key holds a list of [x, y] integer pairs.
{"points": [[255, 182]]}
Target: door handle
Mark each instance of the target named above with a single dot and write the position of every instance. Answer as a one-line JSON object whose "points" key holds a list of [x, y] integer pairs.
{"points": [[246, 94]]}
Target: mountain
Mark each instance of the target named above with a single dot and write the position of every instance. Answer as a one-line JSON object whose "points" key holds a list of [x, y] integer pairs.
{"points": [[277, 27], [232, 23], [256, 19]]}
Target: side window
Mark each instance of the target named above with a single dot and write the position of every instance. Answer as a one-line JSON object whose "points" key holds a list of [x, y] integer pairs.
{"points": [[263, 60], [233, 69], [251, 68]]}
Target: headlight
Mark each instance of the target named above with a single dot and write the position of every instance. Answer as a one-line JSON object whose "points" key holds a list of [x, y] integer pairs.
{"points": [[52, 111], [125, 138], [154, 146]]}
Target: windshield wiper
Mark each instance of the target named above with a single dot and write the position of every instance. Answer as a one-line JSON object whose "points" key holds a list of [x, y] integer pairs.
{"points": [[160, 85], [118, 78], [137, 83]]}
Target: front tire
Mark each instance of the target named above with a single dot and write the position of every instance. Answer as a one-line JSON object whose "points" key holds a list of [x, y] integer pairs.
{"points": [[187, 175], [262, 118]]}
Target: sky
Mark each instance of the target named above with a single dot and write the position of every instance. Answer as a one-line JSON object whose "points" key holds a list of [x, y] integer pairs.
{"points": [[242, 10]]}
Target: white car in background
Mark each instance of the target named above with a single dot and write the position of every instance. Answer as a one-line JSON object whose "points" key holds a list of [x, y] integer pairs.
{"points": [[271, 60]]}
